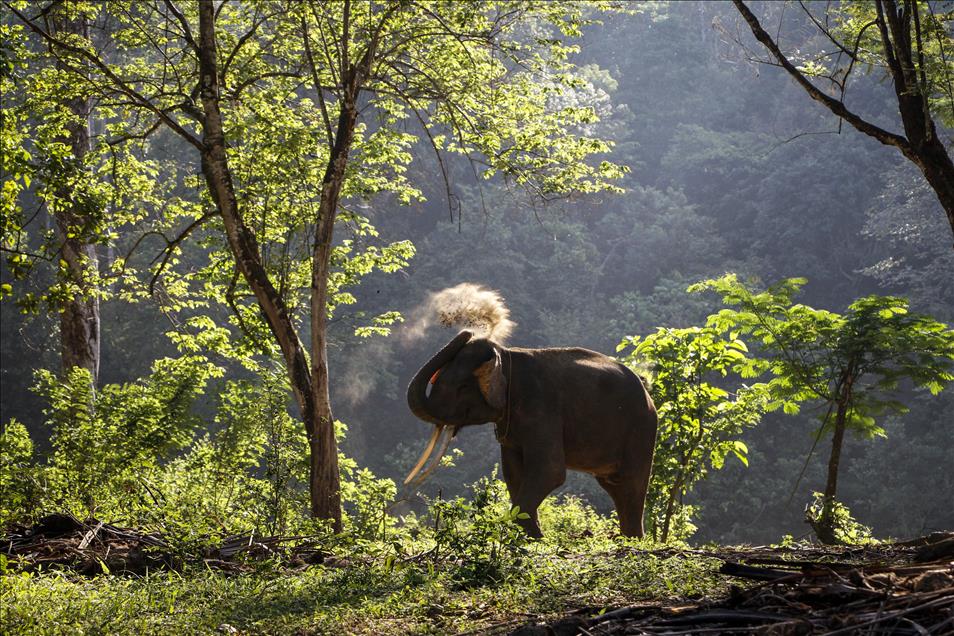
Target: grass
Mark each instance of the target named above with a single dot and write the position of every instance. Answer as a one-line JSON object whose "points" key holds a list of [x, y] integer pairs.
{"points": [[364, 597], [463, 566]]}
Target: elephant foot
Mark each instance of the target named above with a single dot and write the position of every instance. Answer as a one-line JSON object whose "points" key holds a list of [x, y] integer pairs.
{"points": [[530, 528]]}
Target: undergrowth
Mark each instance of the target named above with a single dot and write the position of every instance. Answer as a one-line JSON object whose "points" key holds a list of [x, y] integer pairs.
{"points": [[435, 593], [460, 565]]}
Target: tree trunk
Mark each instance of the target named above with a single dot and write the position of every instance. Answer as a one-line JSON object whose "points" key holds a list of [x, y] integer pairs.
{"points": [[326, 499], [670, 510], [834, 459], [308, 390], [825, 526], [938, 170], [683, 477], [924, 149], [79, 316]]}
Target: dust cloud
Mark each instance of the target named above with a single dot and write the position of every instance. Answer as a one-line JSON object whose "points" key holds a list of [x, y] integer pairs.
{"points": [[465, 306]]}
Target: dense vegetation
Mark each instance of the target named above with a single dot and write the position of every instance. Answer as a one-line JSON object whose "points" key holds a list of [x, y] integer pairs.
{"points": [[470, 573], [627, 177]]}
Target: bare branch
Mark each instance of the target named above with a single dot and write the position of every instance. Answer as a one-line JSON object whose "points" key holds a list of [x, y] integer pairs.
{"points": [[440, 159], [345, 40], [318, 88], [243, 327], [827, 33], [186, 31], [324, 44], [33, 255], [240, 43], [940, 46], [237, 91], [172, 244], [835, 106], [141, 136], [368, 57]]}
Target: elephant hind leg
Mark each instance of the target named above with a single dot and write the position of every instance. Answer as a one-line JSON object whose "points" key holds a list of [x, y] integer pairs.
{"points": [[629, 500]]}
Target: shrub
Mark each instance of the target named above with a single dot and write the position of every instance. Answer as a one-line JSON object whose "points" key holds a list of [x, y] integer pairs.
{"points": [[479, 536], [833, 524], [18, 476], [105, 440], [569, 523]]}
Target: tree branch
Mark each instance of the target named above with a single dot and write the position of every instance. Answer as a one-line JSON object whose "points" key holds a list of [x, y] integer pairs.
{"points": [[172, 244], [186, 31], [835, 106], [117, 81], [239, 44], [314, 75]]}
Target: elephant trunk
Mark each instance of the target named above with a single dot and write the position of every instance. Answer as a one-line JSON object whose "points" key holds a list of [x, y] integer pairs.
{"points": [[416, 391]]}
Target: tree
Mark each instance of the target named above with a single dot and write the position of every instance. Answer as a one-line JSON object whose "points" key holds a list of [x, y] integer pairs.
{"points": [[342, 80], [79, 318], [850, 364], [700, 421], [912, 43], [64, 187]]}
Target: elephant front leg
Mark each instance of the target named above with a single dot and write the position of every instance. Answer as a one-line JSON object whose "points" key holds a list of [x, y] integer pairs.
{"points": [[535, 485], [511, 461]]}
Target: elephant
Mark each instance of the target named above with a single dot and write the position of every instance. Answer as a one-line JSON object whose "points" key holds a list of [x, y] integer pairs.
{"points": [[553, 409]]}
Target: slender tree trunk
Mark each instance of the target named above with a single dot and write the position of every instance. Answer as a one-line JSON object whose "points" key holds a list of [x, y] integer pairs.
{"points": [[315, 411], [79, 316], [683, 477], [824, 527], [834, 459], [324, 472], [670, 509]]}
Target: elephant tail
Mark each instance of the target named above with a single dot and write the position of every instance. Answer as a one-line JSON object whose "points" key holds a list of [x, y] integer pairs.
{"points": [[643, 371], [647, 382], [475, 307]]}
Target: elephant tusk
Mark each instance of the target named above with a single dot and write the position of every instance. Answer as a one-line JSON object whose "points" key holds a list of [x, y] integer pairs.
{"points": [[426, 454], [437, 461]]}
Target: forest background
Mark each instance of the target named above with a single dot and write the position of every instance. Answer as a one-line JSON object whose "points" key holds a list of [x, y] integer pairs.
{"points": [[732, 168]]}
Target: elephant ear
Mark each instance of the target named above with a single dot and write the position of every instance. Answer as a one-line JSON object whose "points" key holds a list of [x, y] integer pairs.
{"points": [[493, 384]]}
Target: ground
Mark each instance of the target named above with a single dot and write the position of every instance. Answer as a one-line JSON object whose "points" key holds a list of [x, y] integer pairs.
{"points": [[351, 597], [64, 585]]}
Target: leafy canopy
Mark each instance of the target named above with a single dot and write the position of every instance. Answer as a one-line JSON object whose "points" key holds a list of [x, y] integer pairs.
{"points": [[874, 346], [491, 82]]}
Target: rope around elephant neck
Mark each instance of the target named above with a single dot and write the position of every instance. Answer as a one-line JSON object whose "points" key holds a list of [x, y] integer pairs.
{"points": [[506, 418]]}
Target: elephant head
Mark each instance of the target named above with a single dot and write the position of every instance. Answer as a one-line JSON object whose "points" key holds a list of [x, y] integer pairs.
{"points": [[468, 387]]}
